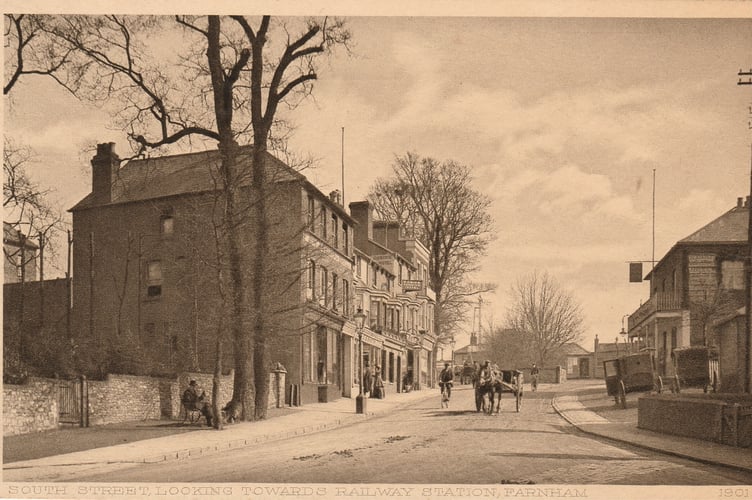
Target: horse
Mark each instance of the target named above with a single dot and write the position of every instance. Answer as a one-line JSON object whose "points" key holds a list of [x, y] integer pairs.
{"points": [[488, 393]]}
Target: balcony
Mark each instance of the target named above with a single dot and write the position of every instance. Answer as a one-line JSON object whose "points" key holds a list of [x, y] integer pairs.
{"points": [[656, 303]]}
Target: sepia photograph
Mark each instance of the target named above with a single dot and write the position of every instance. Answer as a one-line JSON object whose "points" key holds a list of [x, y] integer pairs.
{"points": [[323, 251]]}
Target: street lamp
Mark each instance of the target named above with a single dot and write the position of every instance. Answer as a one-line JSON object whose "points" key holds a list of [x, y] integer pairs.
{"points": [[453, 343], [360, 402], [623, 333]]}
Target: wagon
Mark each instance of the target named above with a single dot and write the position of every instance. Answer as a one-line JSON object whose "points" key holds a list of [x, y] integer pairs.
{"points": [[631, 373], [510, 381], [695, 366]]}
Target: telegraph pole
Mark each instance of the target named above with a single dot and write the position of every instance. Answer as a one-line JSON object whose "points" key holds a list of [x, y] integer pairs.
{"points": [[748, 260]]}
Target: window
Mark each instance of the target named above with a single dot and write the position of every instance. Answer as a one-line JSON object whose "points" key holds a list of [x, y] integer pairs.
{"points": [[335, 231], [311, 285], [166, 225], [374, 319], [345, 241], [311, 213], [732, 274], [324, 283], [154, 278], [323, 221], [335, 295], [373, 275], [345, 297]]}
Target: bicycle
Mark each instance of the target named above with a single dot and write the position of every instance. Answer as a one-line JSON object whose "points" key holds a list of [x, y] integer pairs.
{"points": [[445, 394]]}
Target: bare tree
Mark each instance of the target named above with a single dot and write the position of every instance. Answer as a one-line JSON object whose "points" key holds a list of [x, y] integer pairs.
{"points": [[225, 88], [546, 313], [29, 50], [434, 202]]}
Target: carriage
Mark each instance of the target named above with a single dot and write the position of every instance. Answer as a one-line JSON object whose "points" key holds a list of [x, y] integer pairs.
{"points": [[631, 373], [695, 366], [503, 381]]}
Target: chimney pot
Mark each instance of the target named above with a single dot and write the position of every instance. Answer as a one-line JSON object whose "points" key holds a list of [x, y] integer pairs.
{"points": [[739, 202], [334, 196]]}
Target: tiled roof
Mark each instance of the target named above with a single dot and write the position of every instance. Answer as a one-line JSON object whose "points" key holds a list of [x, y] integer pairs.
{"points": [[572, 349], [729, 227], [163, 176]]}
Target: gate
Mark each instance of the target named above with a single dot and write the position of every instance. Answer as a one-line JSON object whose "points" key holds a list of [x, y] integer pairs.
{"points": [[72, 397]]}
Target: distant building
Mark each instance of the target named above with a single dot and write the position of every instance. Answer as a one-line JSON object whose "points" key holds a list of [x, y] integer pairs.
{"points": [[21, 255], [575, 359], [700, 280]]}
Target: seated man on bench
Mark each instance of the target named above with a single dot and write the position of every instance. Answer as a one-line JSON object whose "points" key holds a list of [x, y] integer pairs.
{"points": [[193, 402]]}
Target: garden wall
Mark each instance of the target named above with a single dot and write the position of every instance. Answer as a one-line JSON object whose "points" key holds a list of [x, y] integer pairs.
{"points": [[722, 418], [33, 406], [30, 407]]}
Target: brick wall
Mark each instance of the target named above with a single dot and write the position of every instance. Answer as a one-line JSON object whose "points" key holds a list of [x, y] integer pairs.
{"points": [[31, 407]]}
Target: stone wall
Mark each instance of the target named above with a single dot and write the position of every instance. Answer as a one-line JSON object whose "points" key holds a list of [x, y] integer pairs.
{"points": [[30, 407], [33, 406], [122, 398]]}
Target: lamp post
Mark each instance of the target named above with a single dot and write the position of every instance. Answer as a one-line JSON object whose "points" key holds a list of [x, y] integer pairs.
{"points": [[623, 334], [360, 402], [453, 343]]}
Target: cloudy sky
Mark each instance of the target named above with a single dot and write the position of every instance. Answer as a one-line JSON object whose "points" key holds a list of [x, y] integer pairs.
{"points": [[563, 121]]}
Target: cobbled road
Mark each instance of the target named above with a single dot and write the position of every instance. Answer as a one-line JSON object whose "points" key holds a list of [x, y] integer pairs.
{"points": [[424, 443]]}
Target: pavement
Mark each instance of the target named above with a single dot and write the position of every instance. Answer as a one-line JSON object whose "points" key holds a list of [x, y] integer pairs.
{"points": [[582, 403]]}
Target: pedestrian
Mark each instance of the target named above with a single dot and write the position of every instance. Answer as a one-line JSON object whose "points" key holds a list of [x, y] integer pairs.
{"points": [[446, 380], [378, 384], [367, 380]]}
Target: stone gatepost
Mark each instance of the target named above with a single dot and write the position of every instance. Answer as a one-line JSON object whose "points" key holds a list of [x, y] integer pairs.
{"points": [[279, 377]]}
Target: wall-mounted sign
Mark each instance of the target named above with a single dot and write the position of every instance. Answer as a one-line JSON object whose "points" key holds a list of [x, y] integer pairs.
{"points": [[412, 285]]}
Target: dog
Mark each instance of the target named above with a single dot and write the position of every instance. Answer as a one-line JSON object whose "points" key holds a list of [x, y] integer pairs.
{"points": [[231, 412]]}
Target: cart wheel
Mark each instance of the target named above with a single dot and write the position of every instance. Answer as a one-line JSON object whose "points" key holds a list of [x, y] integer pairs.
{"points": [[622, 395]]}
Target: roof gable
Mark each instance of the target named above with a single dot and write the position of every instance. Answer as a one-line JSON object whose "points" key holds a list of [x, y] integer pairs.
{"points": [[729, 227]]}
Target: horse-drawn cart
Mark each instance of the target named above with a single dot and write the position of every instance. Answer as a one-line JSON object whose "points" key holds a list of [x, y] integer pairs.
{"points": [[489, 395], [695, 366], [631, 373]]}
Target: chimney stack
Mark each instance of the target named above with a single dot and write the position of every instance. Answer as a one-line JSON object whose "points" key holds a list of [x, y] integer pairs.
{"points": [[104, 170], [362, 212], [335, 197], [739, 202], [746, 202]]}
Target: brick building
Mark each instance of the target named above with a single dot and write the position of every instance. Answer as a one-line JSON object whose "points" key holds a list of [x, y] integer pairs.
{"points": [[699, 281], [147, 270], [391, 287]]}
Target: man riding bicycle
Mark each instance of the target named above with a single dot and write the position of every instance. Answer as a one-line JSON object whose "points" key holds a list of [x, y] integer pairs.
{"points": [[534, 371], [446, 380]]}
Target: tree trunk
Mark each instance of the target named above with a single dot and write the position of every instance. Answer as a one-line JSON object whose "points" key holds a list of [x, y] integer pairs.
{"points": [[216, 379], [242, 393], [261, 362]]}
